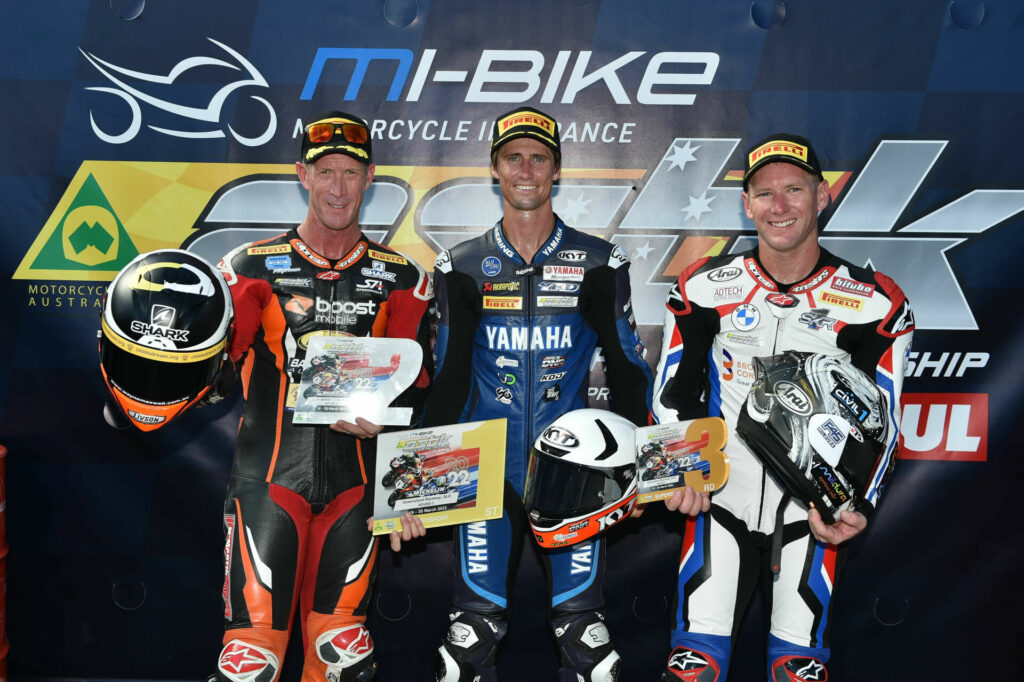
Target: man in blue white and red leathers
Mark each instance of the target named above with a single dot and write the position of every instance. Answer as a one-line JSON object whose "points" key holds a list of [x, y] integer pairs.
{"points": [[521, 310], [787, 294], [298, 508]]}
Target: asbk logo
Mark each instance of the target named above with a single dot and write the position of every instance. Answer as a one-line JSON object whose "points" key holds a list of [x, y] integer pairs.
{"points": [[944, 426]]}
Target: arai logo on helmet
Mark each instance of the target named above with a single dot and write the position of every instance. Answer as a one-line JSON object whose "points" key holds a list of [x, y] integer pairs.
{"points": [[793, 397], [556, 435]]}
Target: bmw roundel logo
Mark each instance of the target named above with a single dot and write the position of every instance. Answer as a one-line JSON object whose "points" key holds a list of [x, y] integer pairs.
{"points": [[745, 317], [491, 266]]}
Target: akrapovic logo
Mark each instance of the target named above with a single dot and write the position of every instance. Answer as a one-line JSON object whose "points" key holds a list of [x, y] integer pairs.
{"points": [[518, 76]]}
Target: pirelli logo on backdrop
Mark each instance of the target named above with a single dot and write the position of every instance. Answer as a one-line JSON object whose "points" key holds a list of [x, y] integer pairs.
{"points": [[269, 250], [842, 301], [388, 257], [785, 148], [503, 302]]}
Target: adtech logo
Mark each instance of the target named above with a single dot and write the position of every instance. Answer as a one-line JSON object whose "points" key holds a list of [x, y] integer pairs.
{"points": [[514, 76]]}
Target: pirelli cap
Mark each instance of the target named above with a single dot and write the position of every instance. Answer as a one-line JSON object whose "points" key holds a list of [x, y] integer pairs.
{"points": [[163, 335], [337, 133], [526, 122], [783, 147]]}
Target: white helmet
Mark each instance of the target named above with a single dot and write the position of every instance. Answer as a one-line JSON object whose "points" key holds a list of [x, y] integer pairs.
{"points": [[582, 477]]}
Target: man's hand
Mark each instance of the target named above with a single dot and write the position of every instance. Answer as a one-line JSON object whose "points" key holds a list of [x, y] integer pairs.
{"points": [[361, 428], [850, 523], [412, 527], [688, 501]]}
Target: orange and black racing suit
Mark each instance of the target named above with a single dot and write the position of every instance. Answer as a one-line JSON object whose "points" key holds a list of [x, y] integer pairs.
{"points": [[295, 517]]}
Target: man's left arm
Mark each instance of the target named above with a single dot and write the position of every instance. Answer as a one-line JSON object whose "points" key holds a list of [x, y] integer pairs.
{"points": [[607, 308], [880, 350]]}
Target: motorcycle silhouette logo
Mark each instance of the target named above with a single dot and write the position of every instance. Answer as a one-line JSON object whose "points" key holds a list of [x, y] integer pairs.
{"points": [[130, 84]]}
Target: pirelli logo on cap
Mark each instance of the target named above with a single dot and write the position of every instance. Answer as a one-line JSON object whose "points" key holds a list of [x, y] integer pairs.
{"points": [[388, 257], [526, 119], [843, 301], [268, 250], [503, 302], [778, 148]]}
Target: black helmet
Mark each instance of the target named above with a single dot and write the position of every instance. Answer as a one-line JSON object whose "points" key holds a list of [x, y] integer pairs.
{"points": [[819, 424], [163, 336]]}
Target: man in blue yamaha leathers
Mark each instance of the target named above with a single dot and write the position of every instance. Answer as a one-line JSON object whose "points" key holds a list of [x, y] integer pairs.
{"points": [[522, 308]]}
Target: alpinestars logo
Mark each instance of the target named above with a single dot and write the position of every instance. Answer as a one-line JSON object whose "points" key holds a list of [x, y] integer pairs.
{"points": [[198, 122], [686, 659]]}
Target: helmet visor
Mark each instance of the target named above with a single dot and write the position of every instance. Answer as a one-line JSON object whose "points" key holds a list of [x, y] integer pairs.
{"points": [[556, 489], [152, 382]]}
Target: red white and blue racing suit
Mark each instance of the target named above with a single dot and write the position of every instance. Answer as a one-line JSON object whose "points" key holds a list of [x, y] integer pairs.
{"points": [[515, 340], [721, 314]]}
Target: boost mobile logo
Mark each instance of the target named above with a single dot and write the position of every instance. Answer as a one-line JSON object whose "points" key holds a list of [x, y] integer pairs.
{"points": [[132, 85]]}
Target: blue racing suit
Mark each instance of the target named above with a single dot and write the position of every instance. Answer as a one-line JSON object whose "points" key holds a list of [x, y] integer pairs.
{"points": [[515, 340]]}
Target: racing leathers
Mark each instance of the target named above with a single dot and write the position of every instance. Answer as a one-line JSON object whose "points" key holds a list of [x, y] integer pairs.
{"points": [[721, 314], [515, 341], [297, 505]]}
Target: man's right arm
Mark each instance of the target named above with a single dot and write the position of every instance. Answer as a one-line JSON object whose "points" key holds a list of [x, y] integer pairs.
{"points": [[247, 300], [458, 317], [681, 384]]}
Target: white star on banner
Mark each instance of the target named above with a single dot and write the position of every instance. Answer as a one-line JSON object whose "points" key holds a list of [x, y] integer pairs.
{"points": [[641, 251], [681, 157], [698, 206], [575, 209]]}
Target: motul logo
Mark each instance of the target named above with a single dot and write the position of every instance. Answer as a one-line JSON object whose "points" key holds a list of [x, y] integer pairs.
{"points": [[945, 426]]}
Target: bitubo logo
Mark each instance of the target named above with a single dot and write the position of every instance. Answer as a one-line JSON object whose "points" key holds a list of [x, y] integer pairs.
{"points": [[132, 85], [666, 72]]}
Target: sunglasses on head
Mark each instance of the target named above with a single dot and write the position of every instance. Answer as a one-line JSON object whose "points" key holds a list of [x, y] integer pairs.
{"points": [[325, 131]]}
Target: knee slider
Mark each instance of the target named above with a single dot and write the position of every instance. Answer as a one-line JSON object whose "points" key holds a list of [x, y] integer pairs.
{"points": [[799, 669], [586, 647], [348, 653], [243, 662], [469, 647], [690, 665]]}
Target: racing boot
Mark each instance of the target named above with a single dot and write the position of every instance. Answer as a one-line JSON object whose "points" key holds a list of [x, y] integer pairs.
{"points": [[468, 651], [347, 653], [244, 662], [586, 648], [798, 669], [690, 665]]}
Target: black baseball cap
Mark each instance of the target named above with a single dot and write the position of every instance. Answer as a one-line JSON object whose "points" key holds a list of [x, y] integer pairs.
{"points": [[336, 132], [783, 147], [526, 122]]}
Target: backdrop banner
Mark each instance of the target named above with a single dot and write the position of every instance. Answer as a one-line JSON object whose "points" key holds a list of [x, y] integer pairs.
{"points": [[133, 125]]}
